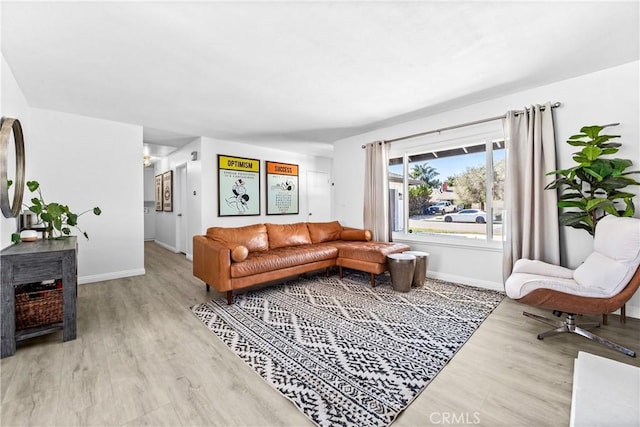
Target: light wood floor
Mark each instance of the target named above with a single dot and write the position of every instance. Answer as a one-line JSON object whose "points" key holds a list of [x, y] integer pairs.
{"points": [[142, 358]]}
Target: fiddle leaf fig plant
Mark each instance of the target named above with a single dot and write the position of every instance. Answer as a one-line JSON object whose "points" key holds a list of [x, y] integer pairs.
{"points": [[595, 186], [57, 217]]}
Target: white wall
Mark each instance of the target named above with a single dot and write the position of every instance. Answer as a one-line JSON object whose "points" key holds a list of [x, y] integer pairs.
{"points": [[86, 162], [607, 96], [12, 104], [210, 150]]}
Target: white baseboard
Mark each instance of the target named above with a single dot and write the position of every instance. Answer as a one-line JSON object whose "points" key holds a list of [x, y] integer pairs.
{"points": [[189, 257], [494, 286], [167, 247], [110, 276]]}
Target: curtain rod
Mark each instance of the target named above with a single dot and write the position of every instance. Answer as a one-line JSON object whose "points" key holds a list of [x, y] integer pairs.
{"points": [[476, 122]]}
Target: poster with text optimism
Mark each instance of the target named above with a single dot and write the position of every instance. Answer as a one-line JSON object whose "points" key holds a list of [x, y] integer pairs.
{"points": [[238, 186]]}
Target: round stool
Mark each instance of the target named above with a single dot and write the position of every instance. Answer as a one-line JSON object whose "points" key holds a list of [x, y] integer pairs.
{"points": [[422, 262], [401, 267]]}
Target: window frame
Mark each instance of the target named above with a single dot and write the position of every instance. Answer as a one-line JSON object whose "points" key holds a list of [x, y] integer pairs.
{"points": [[489, 136]]}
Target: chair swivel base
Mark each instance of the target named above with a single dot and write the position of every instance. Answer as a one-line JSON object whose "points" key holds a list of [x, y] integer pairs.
{"points": [[569, 325]]}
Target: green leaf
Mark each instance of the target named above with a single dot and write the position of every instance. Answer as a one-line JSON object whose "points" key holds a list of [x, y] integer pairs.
{"points": [[572, 204], [9, 183], [591, 153], [15, 237], [72, 219], [598, 203], [620, 164], [576, 142], [593, 174], [46, 217], [629, 207], [33, 185], [591, 131], [611, 210], [602, 167], [562, 172], [97, 211], [620, 195], [581, 135], [614, 182], [572, 217], [36, 201], [601, 139], [85, 235], [574, 195], [55, 209], [66, 231]]}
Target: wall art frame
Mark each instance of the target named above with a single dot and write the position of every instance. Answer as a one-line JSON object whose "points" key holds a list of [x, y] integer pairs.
{"points": [[283, 195], [167, 191], [238, 186], [158, 182]]}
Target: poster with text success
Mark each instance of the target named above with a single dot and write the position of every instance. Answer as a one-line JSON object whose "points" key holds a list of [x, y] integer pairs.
{"points": [[282, 189], [238, 186]]}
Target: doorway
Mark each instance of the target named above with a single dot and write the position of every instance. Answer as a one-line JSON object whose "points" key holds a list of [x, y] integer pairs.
{"points": [[318, 196], [180, 200]]}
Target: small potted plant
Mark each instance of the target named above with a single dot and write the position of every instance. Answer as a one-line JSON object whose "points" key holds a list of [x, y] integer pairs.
{"points": [[57, 218]]}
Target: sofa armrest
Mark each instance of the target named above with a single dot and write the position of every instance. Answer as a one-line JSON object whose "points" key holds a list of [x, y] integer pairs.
{"points": [[349, 233], [212, 263]]}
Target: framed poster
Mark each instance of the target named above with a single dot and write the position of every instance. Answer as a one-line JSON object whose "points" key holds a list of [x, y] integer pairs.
{"points": [[167, 191], [238, 186], [158, 192], [282, 189]]}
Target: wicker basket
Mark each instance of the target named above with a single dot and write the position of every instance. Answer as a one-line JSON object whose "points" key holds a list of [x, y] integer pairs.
{"points": [[39, 307]]}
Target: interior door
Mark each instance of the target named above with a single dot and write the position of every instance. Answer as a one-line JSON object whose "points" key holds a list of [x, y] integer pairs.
{"points": [[181, 208], [319, 196]]}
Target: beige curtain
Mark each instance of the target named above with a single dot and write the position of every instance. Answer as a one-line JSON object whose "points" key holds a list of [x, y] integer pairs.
{"points": [[376, 191], [531, 229]]}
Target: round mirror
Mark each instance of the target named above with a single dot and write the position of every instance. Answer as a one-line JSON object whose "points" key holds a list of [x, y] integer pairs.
{"points": [[12, 169]]}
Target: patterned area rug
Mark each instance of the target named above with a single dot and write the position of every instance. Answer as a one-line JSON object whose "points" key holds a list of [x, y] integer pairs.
{"points": [[346, 354]]}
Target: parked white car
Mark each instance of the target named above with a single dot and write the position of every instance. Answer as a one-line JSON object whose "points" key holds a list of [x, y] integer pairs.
{"points": [[442, 208], [467, 215]]}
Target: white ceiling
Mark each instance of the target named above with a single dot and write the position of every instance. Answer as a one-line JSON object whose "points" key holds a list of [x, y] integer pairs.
{"points": [[299, 75]]}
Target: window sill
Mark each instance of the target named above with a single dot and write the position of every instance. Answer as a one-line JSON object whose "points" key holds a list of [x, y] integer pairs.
{"points": [[449, 241]]}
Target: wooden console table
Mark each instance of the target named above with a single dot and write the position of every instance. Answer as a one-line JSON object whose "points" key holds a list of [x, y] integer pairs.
{"points": [[29, 262]]}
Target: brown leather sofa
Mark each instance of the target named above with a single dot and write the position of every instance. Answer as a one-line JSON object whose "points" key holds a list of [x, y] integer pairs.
{"points": [[232, 258]]}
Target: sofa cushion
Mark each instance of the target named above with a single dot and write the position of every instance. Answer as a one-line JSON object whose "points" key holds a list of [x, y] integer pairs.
{"points": [[603, 273], [238, 252], [355, 234], [284, 235], [324, 231], [276, 259], [618, 238], [253, 237]]}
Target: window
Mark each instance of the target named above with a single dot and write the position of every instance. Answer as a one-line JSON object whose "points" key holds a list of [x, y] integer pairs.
{"points": [[454, 189]]}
